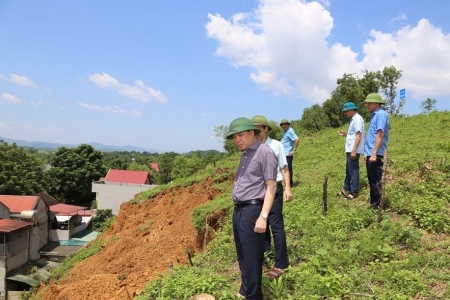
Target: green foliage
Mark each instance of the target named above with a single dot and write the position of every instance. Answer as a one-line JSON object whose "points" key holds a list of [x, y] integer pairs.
{"points": [[72, 173], [102, 220], [21, 173], [428, 105], [388, 82]]}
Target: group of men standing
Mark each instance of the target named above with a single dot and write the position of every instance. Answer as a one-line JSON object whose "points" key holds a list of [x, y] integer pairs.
{"points": [[258, 194], [372, 147]]}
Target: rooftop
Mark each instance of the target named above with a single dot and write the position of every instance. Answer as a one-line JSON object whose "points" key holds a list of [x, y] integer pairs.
{"points": [[16, 204], [127, 176]]}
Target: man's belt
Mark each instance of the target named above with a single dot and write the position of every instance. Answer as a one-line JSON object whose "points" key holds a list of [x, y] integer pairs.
{"points": [[248, 202]]}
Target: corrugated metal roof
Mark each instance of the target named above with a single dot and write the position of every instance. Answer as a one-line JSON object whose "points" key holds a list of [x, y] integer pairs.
{"points": [[127, 176], [16, 204], [67, 209], [47, 198], [7, 225]]}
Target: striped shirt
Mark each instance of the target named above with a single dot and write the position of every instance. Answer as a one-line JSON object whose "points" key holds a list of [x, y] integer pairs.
{"points": [[258, 164]]}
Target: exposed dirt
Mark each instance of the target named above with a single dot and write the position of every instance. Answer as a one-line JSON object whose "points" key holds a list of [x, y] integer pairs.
{"points": [[144, 240]]}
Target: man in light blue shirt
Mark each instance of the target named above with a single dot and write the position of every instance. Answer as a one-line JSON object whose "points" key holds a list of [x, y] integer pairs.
{"points": [[354, 146], [275, 219], [375, 146], [290, 143]]}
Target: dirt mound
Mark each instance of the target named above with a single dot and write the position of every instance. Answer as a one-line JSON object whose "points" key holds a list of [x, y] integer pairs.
{"points": [[144, 240]]}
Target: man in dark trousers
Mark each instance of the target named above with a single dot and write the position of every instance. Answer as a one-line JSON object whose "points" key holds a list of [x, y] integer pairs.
{"points": [[290, 142], [376, 143], [253, 194], [275, 221]]}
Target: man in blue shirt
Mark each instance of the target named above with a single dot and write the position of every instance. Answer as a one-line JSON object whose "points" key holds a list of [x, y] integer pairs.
{"points": [[290, 143], [354, 146], [375, 146]]}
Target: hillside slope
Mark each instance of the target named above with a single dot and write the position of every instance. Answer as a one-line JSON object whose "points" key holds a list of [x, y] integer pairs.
{"points": [[145, 239], [344, 254]]}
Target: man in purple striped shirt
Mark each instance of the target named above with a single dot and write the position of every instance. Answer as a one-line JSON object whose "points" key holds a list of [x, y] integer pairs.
{"points": [[253, 194]]}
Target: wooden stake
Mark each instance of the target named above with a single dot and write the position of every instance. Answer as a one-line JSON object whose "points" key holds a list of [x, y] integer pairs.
{"points": [[324, 196]]}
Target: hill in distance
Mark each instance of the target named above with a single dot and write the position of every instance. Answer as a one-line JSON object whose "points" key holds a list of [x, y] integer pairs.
{"points": [[53, 146]]}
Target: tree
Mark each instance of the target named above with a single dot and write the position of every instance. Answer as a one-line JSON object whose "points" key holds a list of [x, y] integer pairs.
{"points": [[388, 82], [428, 105], [228, 145], [72, 173], [21, 173], [134, 166], [165, 167], [314, 118]]}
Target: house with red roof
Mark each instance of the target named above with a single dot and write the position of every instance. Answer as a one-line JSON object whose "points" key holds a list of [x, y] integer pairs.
{"points": [[23, 231], [27, 226], [119, 186], [127, 176], [155, 167]]}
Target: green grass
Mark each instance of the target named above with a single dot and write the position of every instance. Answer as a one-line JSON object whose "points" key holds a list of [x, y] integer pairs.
{"points": [[345, 253]]}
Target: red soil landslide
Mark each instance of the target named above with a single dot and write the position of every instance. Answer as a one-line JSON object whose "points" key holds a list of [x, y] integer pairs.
{"points": [[144, 240]]}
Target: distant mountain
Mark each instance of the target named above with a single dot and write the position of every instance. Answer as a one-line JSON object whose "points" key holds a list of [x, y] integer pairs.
{"points": [[97, 146]]}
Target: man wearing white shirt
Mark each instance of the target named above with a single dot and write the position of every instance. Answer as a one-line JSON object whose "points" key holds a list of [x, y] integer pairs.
{"points": [[354, 147], [275, 219]]}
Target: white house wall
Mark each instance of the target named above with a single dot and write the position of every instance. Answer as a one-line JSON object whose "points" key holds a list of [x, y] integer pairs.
{"points": [[112, 195]]}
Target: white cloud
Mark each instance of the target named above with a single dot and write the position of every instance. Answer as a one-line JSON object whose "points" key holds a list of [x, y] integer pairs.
{"points": [[138, 91], [111, 109], [399, 17], [42, 103], [3, 125], [10, 98], [284, 43], [20, 80], [422, 52]]}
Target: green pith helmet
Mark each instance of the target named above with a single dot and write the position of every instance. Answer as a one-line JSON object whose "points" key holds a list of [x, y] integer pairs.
{"points": [[239, 125], [261, 121], [349, 106], [285, 121], [374, 98]]}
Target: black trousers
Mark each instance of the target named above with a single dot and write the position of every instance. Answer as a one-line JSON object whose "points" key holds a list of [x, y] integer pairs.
{"points": [[291, 172], [250, 250], [276, 225], [374, 174]]}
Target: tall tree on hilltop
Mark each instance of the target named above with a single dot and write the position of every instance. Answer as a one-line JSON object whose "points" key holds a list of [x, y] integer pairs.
{"points": [[388, 82], [428, 105], [72, 173], [21, 173]]}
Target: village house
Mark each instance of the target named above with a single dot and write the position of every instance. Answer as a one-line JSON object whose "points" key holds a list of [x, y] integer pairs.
{"points": [[120, 186], [29, 224]]}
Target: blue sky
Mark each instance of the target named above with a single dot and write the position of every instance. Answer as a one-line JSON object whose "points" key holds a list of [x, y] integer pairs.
{"points": [[162, 74]]}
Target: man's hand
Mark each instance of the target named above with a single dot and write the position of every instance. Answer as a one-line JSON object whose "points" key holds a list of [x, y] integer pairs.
{"points": [[353, 155], [287, 195], [341, 133], [261, 225], [373, 158]]}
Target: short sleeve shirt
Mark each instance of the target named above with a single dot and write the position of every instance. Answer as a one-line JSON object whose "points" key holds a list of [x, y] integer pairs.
{"points": [[288, 140], [379, 121], [278, 149], [257, 165], [356, 125]]}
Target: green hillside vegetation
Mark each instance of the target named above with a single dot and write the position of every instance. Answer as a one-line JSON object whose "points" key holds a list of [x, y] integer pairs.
{"points": [[346, 253]]}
